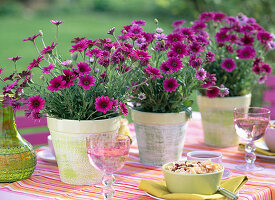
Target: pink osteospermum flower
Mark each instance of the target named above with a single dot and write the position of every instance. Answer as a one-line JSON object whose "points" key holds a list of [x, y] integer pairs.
{"points": [[83, 68], [170, 84], [86, 82], [219, 17], [246, 53], [174, 63], [195, 48], [180, 49], [36, 103], [209, 80], [56, 83], [48, 49], [267, 68], [206, 16], [174, 37], [200, 74], [123, 108], [68, 77], [48, 69], [56, 22], [103, 104], [264, 37], [36, 62], [212, 92], [228, 64], [210, 56], [247, 40], [135, 29], [77, 39], [140, 42], [164, 68], [32, 38], [178, 23], [223, 91], [94, 53], [153, 72], [222, 36], [139, 22], [79, 46], [14, 59]]}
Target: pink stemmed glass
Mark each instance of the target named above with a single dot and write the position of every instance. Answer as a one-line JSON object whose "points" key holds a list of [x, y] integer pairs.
{"points": [[251, 124], [108, 152]]}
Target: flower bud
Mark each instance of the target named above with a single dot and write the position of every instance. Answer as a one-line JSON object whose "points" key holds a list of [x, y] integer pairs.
{"points": [[41, 32], [74, 56], [124, 32], [156, 21]]}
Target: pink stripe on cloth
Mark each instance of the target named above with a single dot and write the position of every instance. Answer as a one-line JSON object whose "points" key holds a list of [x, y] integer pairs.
{"points": [[37, 138], [24, 122]]}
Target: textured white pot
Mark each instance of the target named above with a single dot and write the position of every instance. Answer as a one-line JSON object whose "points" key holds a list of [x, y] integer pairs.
{"points": [[69, 141], [160, 136], [217, 119]]}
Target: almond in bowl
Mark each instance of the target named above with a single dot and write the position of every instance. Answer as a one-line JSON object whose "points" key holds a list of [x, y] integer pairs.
{"points": [[194, 177]]}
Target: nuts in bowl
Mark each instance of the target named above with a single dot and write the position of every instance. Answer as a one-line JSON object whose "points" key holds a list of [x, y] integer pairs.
{"points": [[194, 177]]}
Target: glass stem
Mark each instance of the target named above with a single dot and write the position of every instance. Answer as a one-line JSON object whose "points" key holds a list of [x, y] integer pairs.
{"points": [[250, 156], [108, 191]]}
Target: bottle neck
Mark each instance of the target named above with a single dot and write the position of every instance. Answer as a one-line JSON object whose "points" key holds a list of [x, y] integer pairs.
{"points": [[7, 122]]}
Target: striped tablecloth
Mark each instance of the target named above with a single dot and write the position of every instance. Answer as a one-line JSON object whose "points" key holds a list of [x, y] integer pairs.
{"points": [[45, 182]]}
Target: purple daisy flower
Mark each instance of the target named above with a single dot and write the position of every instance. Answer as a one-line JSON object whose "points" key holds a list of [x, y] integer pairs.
{"points": [[77, 39], [262, 79], [246, 53], [32, 38], [135, 29], [247, 29], [14, 59], [153, 72], [195, 61], [210, 56], [198, 26], [206, 16], [222, 36], [67, 63], [247, 40], [229, 49], [264, 37], [164, 68], [86, 81], [200, 74], [228, 64], [266, 68], [56, 22], [94, 52], [195, 48], [170, 84], [140, 42], [219, 17], [202, 40], [123, 108], [160, 36], [48, 69], [80, 46], [48, 49], [36, 103], [257, 69], [56, 83], [173, 38], [174, 63], [83, 68], [36, 115], [35, 63], [187, 32], [180, 49], [68, 77], [223, 91], [103, 104], [209, 80], [139, 22], [212, 92], [178, 23], [111, 31]]}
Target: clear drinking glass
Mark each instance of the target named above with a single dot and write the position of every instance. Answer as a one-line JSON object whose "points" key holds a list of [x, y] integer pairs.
{"points": [[251, 124], [108, 152]]}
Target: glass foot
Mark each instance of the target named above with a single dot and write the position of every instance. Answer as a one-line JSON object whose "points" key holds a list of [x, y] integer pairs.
{"points": [[249, 167]]}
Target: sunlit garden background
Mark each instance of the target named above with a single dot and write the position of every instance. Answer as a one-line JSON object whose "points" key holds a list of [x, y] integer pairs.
{"points": [[20, 19]]}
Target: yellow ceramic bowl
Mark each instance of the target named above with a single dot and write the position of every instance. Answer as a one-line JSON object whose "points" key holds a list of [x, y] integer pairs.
{"points": [[191, 183]]}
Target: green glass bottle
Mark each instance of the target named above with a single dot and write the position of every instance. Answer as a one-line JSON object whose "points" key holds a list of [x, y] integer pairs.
{"points": [[17, 157]]}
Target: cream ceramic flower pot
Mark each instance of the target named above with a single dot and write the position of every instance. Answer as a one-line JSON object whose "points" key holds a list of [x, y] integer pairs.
{"points": [[217, 119], [160, 136], [69, 141]]}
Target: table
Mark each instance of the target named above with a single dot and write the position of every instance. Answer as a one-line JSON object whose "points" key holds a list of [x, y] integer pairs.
{"points": [[45, 184]]}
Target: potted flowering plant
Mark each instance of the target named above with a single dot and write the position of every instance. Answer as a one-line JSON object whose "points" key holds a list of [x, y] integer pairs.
{"points": [[239, 45], [161, 107], [81, 96]]}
